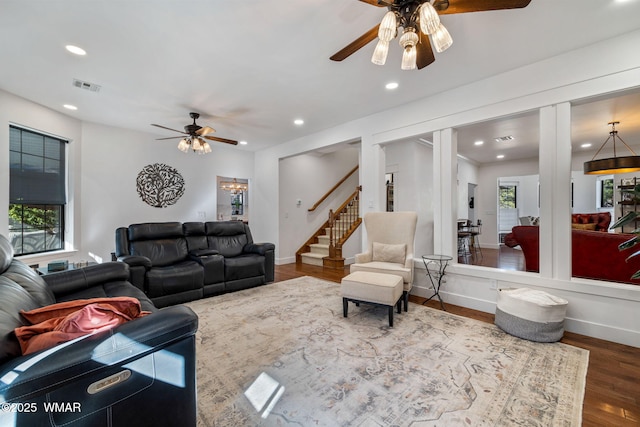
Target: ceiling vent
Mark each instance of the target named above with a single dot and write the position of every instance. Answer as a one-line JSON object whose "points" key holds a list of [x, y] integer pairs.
{"points": [[503, 138], [86, 85]]}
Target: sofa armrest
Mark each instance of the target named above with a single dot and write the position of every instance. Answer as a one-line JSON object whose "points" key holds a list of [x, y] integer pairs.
{"points": [[138, 267], [65, 282], [363, 258], [136, 260], [258, 248], [33, 375]]}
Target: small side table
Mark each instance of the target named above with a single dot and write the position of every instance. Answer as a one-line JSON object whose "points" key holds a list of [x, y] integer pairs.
{"points": [[436, 265]]}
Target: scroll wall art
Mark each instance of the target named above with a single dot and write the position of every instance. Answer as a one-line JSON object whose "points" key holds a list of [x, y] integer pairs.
{"points": [[159, 185]]}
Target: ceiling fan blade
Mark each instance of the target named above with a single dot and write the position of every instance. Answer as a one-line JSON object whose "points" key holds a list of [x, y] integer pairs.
{"points": [[448, 7], [205, 131], [170, 137], [355, 45], [424, 52], [226, 141], [163, 127], [381, 3]]}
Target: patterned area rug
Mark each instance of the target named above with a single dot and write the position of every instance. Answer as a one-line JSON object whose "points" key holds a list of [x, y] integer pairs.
{"points": [[283, 354]]}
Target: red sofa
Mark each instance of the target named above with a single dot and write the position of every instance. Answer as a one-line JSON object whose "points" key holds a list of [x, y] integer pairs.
{"points": [[594, 254]]}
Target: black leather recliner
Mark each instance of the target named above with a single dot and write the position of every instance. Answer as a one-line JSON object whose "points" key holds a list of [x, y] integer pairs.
{"points": [[246, 263], [140, 366], [176, 262]]}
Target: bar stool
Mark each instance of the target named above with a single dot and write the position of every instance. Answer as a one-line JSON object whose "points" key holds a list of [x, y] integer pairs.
{"points": [[464, 240], [474, 240]]}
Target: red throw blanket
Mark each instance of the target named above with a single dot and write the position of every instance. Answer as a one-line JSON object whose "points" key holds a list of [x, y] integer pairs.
{"points": [[58, 323]]}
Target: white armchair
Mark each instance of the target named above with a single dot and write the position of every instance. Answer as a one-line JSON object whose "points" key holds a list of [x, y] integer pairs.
{"points": [[390, 246]]}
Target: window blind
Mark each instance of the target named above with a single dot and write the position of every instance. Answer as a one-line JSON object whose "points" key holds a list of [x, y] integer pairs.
{"points": [[37, 168]]}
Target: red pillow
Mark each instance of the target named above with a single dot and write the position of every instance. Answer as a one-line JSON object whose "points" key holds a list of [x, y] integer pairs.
{"points": [[58, 323]]}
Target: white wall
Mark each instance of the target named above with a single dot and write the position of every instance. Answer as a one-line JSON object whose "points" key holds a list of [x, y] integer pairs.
{"points": [[467, 174], [307, 177], [412, 162]]}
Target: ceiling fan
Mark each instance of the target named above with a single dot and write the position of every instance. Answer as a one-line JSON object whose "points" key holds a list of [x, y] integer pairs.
{"points": [[420, 21], [196, 136]]}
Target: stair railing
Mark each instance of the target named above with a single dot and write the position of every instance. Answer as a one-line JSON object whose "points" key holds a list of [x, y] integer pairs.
{"points": [[334, 188], [343, 222]]}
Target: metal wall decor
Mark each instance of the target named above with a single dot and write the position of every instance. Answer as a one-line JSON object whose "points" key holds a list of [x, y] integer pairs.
{"points": [[159, 185]]}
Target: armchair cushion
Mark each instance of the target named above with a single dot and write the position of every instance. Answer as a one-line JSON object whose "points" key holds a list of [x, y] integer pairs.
{"points": [[384, 252], [386, 268]]}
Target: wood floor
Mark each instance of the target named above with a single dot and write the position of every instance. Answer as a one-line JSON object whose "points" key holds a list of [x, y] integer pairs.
{"points": [[612, 394]]}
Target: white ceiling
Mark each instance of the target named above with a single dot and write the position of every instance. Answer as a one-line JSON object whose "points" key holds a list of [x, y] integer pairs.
{"points": [[251, 67]]}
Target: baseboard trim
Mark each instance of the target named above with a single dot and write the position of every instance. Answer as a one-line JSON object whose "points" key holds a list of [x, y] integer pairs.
{"points": [[578, 326]]}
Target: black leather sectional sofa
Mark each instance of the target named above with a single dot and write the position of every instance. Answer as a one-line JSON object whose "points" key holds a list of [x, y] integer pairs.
{"points": [[174, 262], [142, 371]]}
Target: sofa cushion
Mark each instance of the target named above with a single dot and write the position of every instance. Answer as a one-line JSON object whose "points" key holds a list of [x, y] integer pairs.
{"points": [[176, 278], [154, 231], [161, 252], [242, 267], [591, 226], [228, 246], [114, 288], [194, 232], [228, 237]]}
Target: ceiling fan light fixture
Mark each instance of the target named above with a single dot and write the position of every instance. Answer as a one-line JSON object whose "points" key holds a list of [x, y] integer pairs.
{"points": [[388, 26], [441, 39], [195, 144], [408, 41], [429, 19], [183, 145], [206, 148], [380, 53]]}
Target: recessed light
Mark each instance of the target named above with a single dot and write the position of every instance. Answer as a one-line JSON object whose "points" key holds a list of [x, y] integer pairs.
{"points": [[500, 156], [478, 143], [243, 143], [391, 86], [75, 50], [586, 145], [70, 107], [298, 122]]}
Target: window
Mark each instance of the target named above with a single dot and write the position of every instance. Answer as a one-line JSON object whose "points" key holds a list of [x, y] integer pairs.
{"points": [[37, 191], [507, 196], [606, 193]]}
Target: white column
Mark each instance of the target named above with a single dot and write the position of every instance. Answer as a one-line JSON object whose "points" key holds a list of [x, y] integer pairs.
{"points": [[555, 191], [445, 149]]}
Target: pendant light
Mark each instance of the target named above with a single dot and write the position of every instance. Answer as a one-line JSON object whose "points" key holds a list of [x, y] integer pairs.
{"points": [[615, 164]]}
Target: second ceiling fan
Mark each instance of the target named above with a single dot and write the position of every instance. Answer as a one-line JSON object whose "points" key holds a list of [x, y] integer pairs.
{"points": [[196, 135], [420, 21]]}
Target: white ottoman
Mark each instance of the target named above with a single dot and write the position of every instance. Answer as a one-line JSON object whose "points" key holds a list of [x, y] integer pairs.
{"points": [[531, 314], [372, 288]]}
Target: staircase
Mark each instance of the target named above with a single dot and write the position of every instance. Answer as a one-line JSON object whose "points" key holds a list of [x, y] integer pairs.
{"points": [[324, 248], [320, 250]]}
